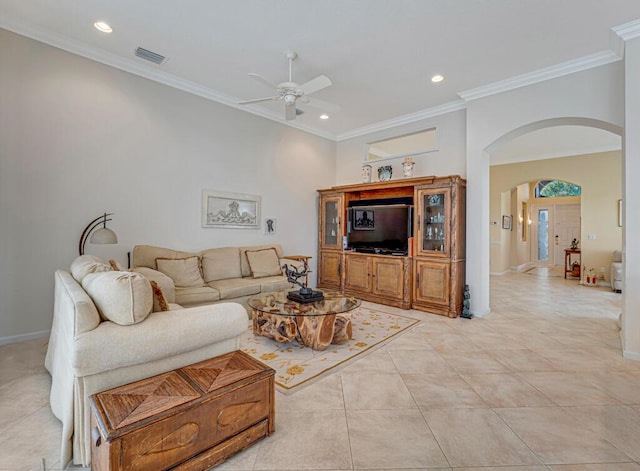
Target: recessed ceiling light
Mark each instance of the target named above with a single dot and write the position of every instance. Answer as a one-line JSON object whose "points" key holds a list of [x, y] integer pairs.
{"points": [[102, 26], [437, 78], [324, 116]]}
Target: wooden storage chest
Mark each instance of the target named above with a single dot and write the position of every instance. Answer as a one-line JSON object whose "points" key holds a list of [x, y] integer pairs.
{"points": [[191, 418]]}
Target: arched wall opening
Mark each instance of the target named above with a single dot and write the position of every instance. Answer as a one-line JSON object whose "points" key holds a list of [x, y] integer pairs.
{"points": [[594, 213]]}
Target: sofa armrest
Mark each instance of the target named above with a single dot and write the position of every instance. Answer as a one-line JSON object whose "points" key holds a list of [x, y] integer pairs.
{"points": [[164, 282], [161, 335]]}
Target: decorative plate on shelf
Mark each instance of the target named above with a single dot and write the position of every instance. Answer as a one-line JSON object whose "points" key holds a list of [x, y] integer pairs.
{"points": [[384, 173], [435, 200]]}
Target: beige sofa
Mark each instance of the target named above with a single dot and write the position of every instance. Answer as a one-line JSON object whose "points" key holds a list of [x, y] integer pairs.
{"points": [[216, 274], [103, 335]]}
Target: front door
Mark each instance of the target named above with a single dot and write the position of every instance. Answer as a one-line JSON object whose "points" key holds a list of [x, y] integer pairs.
{"points": [[567, 228]]}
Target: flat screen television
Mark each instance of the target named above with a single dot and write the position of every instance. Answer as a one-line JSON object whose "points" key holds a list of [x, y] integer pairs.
{"points": [[380, 228]]}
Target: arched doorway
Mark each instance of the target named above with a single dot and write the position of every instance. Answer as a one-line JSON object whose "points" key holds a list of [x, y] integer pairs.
{"points": [[599, 172]]}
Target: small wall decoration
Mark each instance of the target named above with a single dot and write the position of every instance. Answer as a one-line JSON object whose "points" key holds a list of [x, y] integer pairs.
{"points": [[230, 210], [364, 220], [506, 222], [270, 225]]}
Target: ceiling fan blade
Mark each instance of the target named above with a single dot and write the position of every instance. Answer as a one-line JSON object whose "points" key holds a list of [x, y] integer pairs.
{"points": [[263, 80], [323, 105], [318, 83], [258, 100], [290, 112]]}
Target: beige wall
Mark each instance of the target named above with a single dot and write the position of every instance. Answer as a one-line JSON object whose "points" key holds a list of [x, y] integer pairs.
{"points": [[78, 138], [599, 175]]}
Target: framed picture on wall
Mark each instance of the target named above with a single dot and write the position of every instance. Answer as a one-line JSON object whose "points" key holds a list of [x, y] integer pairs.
{"points": [[506, 222], [230, 210]]}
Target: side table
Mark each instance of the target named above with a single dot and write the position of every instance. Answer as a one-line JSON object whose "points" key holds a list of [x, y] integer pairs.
{"points": [[568, 262]]}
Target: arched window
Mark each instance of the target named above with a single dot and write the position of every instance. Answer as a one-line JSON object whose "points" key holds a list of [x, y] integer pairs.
{"points": [[553, 188]]}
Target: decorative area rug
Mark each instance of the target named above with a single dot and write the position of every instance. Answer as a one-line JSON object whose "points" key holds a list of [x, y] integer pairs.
{"points": [[297, 365]]}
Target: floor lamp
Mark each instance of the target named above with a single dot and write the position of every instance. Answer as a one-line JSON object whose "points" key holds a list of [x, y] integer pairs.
{"points": [[103, 235]]}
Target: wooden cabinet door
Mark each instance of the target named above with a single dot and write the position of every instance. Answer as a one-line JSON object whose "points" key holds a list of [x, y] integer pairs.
{"points": [[388, 276], [433, 228], [330, 270], [357, 272], [432, 284], [331, 222]]}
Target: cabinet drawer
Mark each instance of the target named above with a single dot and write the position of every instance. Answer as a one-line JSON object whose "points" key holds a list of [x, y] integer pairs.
{"points": [[178, 437]]}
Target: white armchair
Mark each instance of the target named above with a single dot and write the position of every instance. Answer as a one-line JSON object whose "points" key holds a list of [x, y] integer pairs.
{"points": [[616, 271]]}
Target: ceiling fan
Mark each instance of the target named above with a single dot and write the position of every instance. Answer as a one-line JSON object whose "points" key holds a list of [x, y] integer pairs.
{"points": [[290, 92]]}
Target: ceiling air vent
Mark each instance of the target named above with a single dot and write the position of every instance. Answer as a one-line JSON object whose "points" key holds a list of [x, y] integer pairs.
{"points": [[150, 55]]}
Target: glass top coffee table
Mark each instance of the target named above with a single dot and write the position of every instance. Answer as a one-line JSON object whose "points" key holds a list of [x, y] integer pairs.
{"points": [[316, 325]]}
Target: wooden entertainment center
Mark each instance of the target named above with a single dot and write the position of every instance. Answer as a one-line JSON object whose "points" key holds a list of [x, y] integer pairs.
{"points": [[429, 275]]}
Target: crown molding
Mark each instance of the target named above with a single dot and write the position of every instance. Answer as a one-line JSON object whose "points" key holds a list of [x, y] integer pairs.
{"points": [[622, 33], [628, 31], [151, 73], [540, 75], [404, 119]]}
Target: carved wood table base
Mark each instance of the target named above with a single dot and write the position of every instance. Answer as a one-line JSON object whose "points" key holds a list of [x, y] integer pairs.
{"points": [[314, 325]]}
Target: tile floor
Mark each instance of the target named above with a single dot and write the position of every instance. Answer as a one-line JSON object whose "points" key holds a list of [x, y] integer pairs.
{"points": [[539, 384]]}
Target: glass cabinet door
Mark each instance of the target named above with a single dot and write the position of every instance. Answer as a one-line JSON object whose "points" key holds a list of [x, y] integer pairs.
{"points": [[331, 208], [435, 219]]}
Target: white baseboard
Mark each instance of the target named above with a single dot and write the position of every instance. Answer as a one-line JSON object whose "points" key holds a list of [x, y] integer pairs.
{"points": [[631, 355], [480, 313], [23, 337], [523, 267], [499, 273]]}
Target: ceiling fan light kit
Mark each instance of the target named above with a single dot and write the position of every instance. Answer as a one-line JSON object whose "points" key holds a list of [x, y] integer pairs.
{"points": [[290, 92]]}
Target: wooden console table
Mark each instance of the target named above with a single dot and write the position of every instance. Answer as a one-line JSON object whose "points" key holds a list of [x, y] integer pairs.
{"points": [[568, 263]]}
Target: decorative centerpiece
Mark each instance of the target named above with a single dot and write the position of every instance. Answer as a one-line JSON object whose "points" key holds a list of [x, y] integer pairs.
{"points": [[384, 173], [407, 167], [304, 294], [574, 244], [366, 173]]}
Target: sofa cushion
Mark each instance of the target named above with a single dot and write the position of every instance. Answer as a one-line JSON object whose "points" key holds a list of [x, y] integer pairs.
{"points": [[121, 297], [196, 295], [244, 263], [185, 272], [145, 255], [221, 264], [86, 264], [164, 282], [161, 335], [263, 262], [236, 287], [275, 283]]}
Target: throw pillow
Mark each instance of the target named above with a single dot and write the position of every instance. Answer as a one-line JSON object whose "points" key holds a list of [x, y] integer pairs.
{"points": [[86, 264], [263, 263], [185, 272], [159, 301], [124, 298]]}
